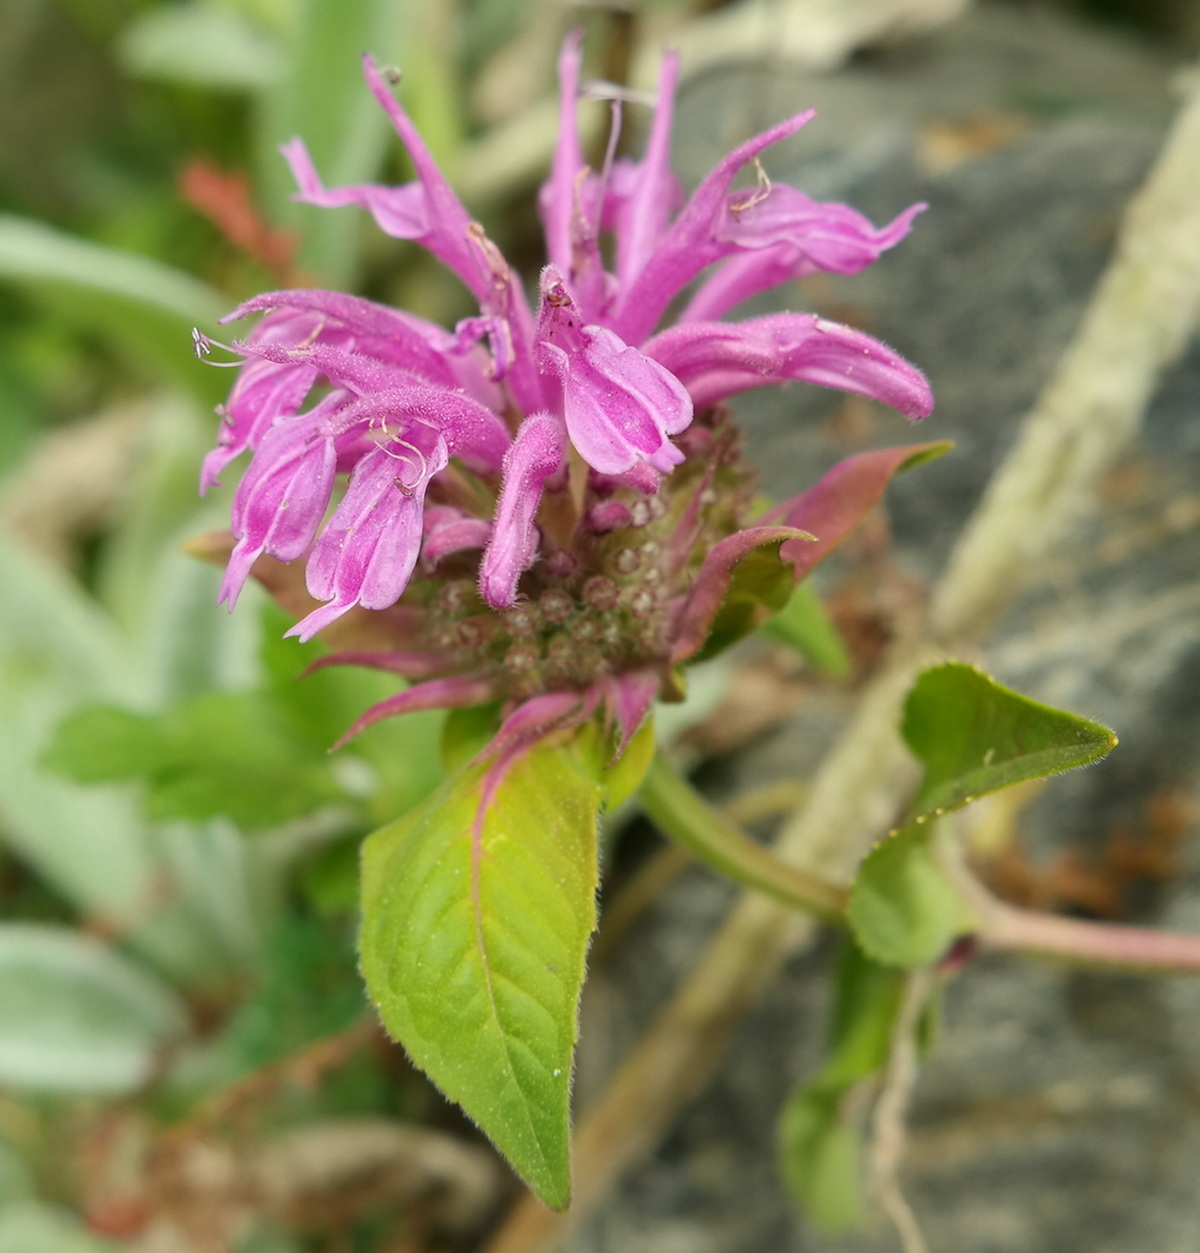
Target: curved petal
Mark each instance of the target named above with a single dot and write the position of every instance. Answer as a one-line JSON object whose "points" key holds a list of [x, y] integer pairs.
{"points": [[558, 196], [619, 405], [692, 241], [367, 552], [787, 236], [537, 454], [281, 499], [716, 360], [427, 211], [469, 430], [643, 213], [262, 391]]}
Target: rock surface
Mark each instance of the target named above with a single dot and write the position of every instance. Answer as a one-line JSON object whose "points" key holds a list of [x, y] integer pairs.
{"points": [[1059, 1111]]}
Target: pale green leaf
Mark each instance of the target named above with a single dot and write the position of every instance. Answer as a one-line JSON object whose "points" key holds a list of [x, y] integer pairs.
{"points": [[30, 1227], [477, 911], [146, 308], [206, 44], [76, 1016]]}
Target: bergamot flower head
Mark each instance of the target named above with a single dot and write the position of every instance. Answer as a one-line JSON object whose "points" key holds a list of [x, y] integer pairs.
{"points": [[544, 504]]}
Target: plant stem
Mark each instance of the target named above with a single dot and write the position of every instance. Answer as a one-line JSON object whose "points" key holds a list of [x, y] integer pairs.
{"points": [[891, 1110], [1077, 942], [671, 802], [675, 806]]}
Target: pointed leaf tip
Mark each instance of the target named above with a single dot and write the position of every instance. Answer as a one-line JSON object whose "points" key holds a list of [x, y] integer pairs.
{"points": [[475, 926], [975, 736]]}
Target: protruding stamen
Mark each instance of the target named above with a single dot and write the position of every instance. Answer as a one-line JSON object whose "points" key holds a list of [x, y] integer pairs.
{"points": [[202, 346], [762, 189]]}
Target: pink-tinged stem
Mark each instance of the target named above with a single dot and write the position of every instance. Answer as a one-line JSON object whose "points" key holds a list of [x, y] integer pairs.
{"points": [[681, 812], [1080, 943]]}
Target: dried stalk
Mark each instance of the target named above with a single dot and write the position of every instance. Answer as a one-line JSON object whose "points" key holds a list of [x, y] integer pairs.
{"points": [[891, 1111], [1140, 317]]}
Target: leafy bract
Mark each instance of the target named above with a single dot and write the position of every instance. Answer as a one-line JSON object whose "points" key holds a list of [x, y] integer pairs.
{"points": [[76, 1016], [748, 577], [834, 506], [744, 578], [477, 908], [975, 736]]}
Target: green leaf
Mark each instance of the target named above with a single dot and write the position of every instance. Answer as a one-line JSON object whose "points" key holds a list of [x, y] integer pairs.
{"points": [[146, 308], [903, 909], [206, 44], [975, 736], [224, 753], [477, 908], [821, 1160], [76, 1016], [819, 1135], [804, 625], [32, 1226]]}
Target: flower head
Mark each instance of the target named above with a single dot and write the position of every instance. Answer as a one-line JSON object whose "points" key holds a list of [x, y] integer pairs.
{"points": [[547, 501]]}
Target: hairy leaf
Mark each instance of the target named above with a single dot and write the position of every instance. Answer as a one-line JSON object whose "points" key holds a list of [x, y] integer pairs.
{"points": [[975, 736], [477, 908]]}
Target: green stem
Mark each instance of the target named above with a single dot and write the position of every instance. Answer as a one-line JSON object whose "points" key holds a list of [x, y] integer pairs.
{"points": [[683, 814]]}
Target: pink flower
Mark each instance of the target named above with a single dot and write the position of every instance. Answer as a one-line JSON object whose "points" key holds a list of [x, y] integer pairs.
{"points": [[559, 487]]}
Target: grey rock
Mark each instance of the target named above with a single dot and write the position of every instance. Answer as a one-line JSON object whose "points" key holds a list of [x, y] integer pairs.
{"points": [[1058, 1111]]}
